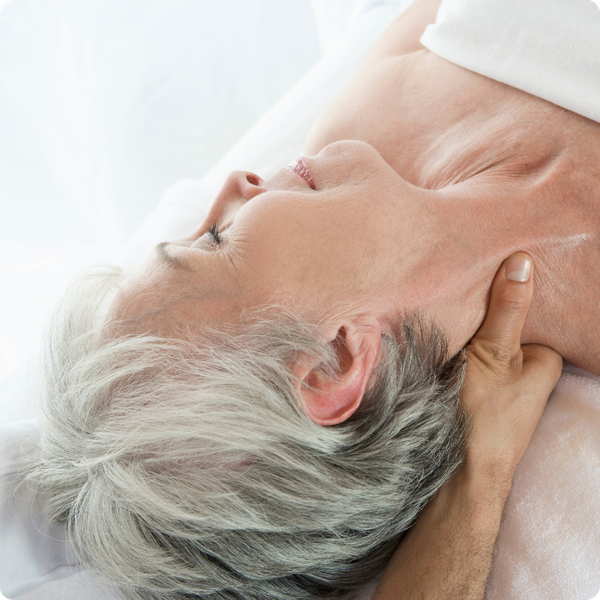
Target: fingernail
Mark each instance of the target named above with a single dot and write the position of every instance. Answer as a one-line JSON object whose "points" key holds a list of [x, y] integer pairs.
{"points": [[518, 268]]}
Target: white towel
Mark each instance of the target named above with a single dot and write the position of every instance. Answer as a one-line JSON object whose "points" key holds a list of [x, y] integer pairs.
{"points": [[549, 541], [549, 48]]}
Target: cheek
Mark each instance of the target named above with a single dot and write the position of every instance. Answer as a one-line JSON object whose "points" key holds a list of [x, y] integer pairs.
{"points": [[328, 239]]}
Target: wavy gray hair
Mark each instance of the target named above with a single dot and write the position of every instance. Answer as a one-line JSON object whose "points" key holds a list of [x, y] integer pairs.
{"points": [[186, 468]]}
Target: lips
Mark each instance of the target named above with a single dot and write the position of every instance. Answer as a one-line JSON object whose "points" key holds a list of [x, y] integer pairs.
{"points": [[299, 168]]}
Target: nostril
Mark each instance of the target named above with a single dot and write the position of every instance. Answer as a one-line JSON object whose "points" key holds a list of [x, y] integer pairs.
{"points": [[253, 179]]}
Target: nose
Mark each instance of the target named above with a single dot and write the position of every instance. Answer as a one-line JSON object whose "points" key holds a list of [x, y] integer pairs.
{"points": [[239, 188], [242, 185]]}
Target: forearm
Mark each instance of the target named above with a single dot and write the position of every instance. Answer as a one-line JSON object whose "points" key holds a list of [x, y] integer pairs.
{"points": [[447, 554]]}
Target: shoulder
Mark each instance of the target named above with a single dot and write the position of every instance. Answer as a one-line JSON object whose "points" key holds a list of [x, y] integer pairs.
{"points": [[402, 36]]}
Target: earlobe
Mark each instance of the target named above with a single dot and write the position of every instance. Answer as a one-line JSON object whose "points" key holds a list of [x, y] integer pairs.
{"points": [[329, 401]]}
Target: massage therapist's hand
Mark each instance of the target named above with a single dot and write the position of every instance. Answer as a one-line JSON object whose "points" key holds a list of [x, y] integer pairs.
{"points": [[506, 385], [447, 553]]}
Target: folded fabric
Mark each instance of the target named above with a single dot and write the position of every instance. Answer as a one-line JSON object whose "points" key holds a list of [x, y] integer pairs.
{"points": [[548, 48]]}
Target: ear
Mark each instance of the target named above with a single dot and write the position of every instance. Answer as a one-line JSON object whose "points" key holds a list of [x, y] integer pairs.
{"points": [[327, 401]]}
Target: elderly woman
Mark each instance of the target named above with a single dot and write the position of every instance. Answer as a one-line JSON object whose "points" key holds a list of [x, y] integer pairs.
{"points": [[266, 406]]}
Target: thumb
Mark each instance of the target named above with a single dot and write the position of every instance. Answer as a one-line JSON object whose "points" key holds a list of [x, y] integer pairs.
{"points": [[512, 290]]}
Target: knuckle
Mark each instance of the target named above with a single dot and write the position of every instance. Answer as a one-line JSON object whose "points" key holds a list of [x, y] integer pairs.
{"points": [[493, 352], [552, 359], [511, 303], [544, 354]]}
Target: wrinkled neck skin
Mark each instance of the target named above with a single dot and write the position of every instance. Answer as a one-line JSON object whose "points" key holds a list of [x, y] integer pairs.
{"points": [[485, 219], [501, 171]]}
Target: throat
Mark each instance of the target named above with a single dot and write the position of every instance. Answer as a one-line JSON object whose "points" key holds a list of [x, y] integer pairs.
{"points": [[548, 215], [478, 145]]}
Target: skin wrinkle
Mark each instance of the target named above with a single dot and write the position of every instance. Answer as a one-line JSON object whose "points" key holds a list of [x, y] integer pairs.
{"points": [[559, 252], [163, 253]]}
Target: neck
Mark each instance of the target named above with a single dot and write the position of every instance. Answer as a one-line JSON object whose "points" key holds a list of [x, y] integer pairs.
{"points": [[487, 218]]}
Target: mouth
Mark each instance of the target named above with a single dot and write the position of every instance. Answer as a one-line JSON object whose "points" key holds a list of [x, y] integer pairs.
{"points": [[299, 168]]}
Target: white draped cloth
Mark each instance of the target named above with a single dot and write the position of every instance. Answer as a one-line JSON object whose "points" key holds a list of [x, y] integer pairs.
{"points": [[548, 48]]}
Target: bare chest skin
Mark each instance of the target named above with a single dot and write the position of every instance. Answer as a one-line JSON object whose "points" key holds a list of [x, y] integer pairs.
{"points": [[523, 174]]}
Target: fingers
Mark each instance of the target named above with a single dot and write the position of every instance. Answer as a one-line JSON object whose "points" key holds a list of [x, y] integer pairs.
{"points": [[506, 385], [500, 334], [543, 363]]}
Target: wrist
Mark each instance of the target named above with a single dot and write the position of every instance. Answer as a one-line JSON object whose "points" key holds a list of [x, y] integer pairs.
{"points": [[481, 482], [448, 551]]}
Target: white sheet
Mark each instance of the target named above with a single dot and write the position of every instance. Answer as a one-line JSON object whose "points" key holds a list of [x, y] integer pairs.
{"points": [[42, 551]]}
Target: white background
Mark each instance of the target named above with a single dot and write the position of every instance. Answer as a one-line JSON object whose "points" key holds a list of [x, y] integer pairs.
{"points": [[103, 105]]}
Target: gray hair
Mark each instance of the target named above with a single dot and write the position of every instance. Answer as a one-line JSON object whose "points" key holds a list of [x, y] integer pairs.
{"points": [[186, 468]]}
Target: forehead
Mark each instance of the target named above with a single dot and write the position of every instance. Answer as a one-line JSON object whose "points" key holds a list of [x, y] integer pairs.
{"points": [[164, 300]]}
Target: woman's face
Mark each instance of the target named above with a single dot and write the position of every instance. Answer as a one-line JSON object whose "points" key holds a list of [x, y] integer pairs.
{"points": [[350, 237]]}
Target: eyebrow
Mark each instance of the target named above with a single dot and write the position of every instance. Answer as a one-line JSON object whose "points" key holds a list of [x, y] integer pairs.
{"points": [[174, 261]]}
